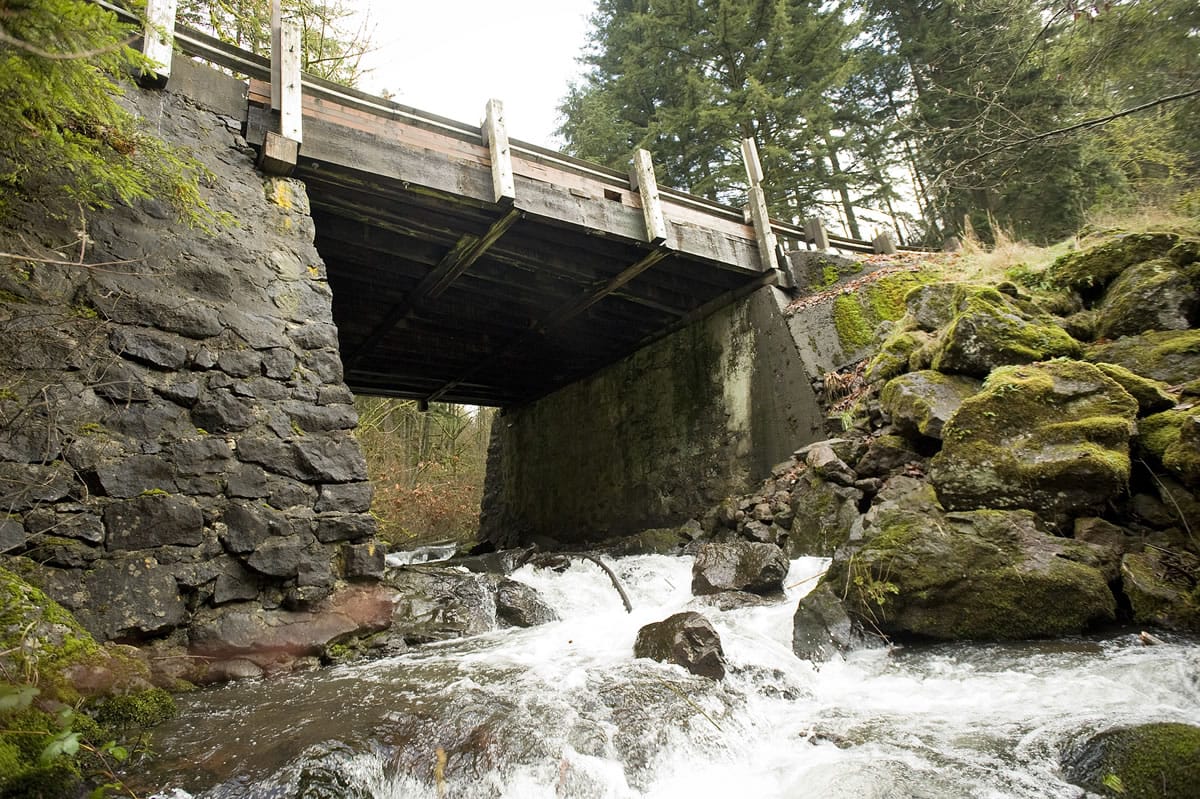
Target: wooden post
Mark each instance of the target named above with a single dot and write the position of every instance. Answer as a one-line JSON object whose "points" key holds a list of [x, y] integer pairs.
{"points": [[495, 137], [758, 206], [280, 150], [641, 178], [814, 233], [158, 40]]}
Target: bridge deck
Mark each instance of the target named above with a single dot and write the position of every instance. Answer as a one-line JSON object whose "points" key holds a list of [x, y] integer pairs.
{"points": [[441, 293]]}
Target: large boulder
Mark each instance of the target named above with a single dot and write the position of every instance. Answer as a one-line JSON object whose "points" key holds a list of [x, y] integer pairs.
{"points": [[985, 574], [1160, 760], [1172, 356], [1090, 271], [738, 566], [1155, 295], [1159, 589], [920, 403], [991, 329], [435, 604], [1152, 395], [520, 605], [687, 639], [821, 627], [1050, 437], [823, 514], [1182, 456]]}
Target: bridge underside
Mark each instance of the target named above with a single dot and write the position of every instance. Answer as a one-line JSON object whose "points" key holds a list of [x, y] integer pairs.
{"points": [[444, 293]]}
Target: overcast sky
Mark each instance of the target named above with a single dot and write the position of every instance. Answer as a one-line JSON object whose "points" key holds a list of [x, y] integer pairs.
{"points": [[449, 57]]}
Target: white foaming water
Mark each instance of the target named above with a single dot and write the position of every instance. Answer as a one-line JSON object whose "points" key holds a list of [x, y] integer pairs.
{"points": [[564, 710]]}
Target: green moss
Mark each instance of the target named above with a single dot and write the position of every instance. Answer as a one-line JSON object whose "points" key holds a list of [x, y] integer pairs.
{"points": [[8, 296], [1159, 431], [1151, 395], [1151, 761], [857, 315], [1182, 456], [155, 492], [1172, 356], [893, 357], [135, 711], [1090, 270]]}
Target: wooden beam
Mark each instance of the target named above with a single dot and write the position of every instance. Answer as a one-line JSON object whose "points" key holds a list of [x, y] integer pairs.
{"points": [[495, 138], [276, 46], [291, 101], [278, 154], [641, 178], [758, 206], [883, 244], [158, 40], [571, 311], [459, 259], [814, 234]]}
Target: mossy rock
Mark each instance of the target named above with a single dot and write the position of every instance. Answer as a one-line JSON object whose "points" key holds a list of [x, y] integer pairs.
{"points": [[1090, 271], [1186, 252], [1049, 437], [920, 403], [1159, 431], [977, 575], [1155, 295], [1160, 760], [991, 329], [894, 354], [1152, 395], [1172, 356], [1182, 457], [931, 307], [1082, 325], [39, 636], [823, 515], [1159, 591], [857, 315]]}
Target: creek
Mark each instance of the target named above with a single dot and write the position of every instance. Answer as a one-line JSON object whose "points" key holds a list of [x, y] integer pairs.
{"points": [[564, 710]]}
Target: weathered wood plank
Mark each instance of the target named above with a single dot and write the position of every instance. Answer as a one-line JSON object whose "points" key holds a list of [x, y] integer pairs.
{"points": [[291, 110], [158, 37], [646, 185], [495, 137], [761, 220]]}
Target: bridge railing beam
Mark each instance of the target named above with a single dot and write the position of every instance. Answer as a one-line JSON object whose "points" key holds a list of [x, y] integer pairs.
{"points": [[756, 209], [281, 150], [158, 41], [495, 138]]}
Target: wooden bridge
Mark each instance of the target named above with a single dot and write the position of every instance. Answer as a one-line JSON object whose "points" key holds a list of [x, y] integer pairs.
{"points": [[468, 267]]}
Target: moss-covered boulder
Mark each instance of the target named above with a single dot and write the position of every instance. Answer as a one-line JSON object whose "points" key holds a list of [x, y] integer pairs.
{"points": [[991, 329], [1159, 431], [895, 354], [1050, 437], [1152, 395], [1161, 588], [1172, 356], [1155, 295], [1182, 457], [1160, 760], [823, 514], [931, 307], [920, 403], [1090, 271], [981, 575]]}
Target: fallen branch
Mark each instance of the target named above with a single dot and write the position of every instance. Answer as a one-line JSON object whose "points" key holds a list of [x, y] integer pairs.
{"points": [[611, 576]]}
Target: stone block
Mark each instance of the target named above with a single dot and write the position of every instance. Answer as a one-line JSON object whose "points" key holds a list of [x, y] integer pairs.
{"points": [[344, 527], [345, 498], [366, 562], [153, 521], [151, 347], [135, 475]]}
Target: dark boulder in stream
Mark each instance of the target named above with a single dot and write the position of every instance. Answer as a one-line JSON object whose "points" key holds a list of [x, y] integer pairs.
{"points": [[520, 606], [1154, 761], [739, 566], [687, 639]]}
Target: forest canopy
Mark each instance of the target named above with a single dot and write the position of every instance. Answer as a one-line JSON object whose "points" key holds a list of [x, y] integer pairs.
{"points": [[981, 113]]}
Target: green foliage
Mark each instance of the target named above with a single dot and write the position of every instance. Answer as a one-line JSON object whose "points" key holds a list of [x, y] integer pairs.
{"points": [[331, 43], [65, 138]]}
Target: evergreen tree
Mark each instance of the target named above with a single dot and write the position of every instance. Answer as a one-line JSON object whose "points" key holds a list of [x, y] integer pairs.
{"points": [[688, 80], [65, 141]]}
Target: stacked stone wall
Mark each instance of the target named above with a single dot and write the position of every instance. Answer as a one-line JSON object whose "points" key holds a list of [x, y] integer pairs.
{"points": [[175, 434]]}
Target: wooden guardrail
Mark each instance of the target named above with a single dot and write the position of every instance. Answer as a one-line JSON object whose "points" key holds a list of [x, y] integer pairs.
{"points": [[162, 35]]}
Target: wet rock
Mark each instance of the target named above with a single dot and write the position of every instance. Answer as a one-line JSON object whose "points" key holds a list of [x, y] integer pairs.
{"points": [[986, 574], [1172, 356], [434, 604], [920, 403], [991, 329], [153, 521], [686, 639], [519, 605], [1050, 437], [1160, 760], [823, 514], [654, 541], [738, 566], [1160, 590], [1154, 295], [821, 628]]}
